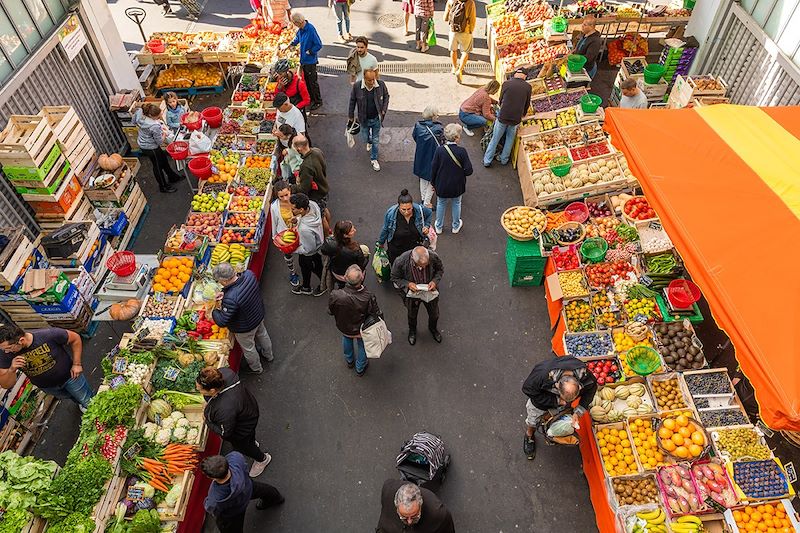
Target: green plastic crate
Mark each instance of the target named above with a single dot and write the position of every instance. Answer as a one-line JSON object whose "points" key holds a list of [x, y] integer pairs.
{"points": [[525, 279]]}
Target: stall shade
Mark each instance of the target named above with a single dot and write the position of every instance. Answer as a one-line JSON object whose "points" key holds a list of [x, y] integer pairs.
{"points": [[725, 181]]}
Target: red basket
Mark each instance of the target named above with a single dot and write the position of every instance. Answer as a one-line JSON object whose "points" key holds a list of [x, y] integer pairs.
{"points": [[122, 263], [212, 116], [577, 212], [192, 125], [178, 150], [201, 167], [683, 293], [156, 46], [284, 247]]}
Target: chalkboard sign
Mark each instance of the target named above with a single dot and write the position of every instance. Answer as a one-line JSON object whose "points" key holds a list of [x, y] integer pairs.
{"points": [[171, 373], [131, 452], [135, 494], [120, 365], [656, 225], [116, 382]]}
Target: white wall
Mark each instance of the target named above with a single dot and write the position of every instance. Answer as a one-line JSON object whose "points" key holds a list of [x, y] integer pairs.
{"points": [[105, 35], [705, 17]]}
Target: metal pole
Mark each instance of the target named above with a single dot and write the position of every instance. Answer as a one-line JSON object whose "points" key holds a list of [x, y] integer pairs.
{"points": [[137, 15]]}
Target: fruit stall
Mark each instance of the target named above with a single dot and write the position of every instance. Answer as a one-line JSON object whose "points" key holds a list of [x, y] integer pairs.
{"points": [[667, 444]]}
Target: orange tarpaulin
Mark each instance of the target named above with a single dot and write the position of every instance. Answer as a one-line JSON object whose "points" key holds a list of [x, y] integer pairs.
{"points": [[725, 181]]}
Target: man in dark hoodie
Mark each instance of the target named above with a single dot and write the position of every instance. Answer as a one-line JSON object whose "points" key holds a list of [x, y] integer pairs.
{"points": [[554, 385], [406, 507], [232, 489]]}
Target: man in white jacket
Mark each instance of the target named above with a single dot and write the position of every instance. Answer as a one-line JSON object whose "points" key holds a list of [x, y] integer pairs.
{"points": [[308, 221]]}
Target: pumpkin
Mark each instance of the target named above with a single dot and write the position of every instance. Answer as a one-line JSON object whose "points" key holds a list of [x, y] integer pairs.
{"points": [[109, 163], [125, 310]]}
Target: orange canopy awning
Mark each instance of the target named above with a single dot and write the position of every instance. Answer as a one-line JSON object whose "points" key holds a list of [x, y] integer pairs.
{"points": [[725, 181]]}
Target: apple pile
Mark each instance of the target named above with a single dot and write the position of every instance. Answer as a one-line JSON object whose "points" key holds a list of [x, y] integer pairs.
{"points": [[605, 371]]}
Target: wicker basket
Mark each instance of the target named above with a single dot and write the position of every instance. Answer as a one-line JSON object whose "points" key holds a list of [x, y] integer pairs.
{"points": [[569, 225], [513, 234], [633, 221]]}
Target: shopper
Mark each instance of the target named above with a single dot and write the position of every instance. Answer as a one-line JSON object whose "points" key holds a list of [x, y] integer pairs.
{"points": [[405, 226], [371, 97], [408, 12], [281, 213], [589, 45], [344, 251], [632, 96], [515, 100], [277, 11], [360, 60], [292, 86], [287, 113], [423, 13], [312, 177], [50, 358], [477, 110], [152, 134], [231, 412], [552, 385], [174, 111], [428, 134], [416, 267], [461, 16], [406, 507], [341, 8], [286, 160], [310, 45], [241, 310], [231, 490], [308, 222], [350, 305], [449, 171]]}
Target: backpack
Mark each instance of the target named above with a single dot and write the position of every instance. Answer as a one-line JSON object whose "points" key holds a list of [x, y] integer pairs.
{"points": [[458, 16]]}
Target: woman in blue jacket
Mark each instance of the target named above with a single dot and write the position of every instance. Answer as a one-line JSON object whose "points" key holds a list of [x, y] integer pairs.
{"points": [[405, 226], [428, 134]]}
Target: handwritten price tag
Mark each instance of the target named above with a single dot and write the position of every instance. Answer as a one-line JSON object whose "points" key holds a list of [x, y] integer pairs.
{"points": [[135, 494], [171, 373], [120, 365], [116, 382]]}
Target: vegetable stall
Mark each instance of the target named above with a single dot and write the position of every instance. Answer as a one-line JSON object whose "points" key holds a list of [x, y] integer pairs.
{"points": [[667, 444]]}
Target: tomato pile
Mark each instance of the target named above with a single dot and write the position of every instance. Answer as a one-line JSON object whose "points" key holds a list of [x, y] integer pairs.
{"points": [[638, 208], [604, 274], [565, 259]]}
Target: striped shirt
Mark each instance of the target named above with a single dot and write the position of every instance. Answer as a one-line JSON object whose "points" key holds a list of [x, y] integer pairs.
{"points": [[421, 275], [423, 8]]}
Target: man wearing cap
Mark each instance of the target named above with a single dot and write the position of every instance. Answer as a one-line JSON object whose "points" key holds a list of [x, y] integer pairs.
{"points": [[287, 114], [515, 99]]}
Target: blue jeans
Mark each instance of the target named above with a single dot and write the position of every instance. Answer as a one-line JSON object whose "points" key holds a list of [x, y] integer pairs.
{"points": [[342, 10], [371, 134], [472, 120], [500, 130], [77, 390], [349, 345], [592, 72], [441, 205]]}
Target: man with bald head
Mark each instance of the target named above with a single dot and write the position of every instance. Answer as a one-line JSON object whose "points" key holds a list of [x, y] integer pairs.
{"points": [[371, 97], [406, 507], [589, 45], [351, 306], [416, 274], [553, 386]]}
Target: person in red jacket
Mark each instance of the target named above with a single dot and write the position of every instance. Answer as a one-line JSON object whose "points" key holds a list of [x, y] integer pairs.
{"points": [[292, 85]]}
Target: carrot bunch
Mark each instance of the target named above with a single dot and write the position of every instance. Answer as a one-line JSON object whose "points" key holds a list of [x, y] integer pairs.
{"points": [[161, 472], [179, 458]]}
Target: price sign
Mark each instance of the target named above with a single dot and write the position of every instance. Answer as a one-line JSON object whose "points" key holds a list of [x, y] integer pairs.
{"points": [[131, 452], [646, 280], [791, 473], [536, 233], [656, 225], [157, 419], [641, 318], [159, 297], [189, 237], [145, 397], [182, 335], [120, 365], [764, 429], [715, 505], [171, 373], [195, 316], [135, 494], [141, 334], [252, 191], [113, 353], [116, 382], [2, 512]]}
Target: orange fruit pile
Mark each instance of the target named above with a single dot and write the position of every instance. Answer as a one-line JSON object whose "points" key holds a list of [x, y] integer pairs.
{"points": [[615, 448], [644, 440], [681, 437], [767, 517], [172, 274], [257, 161]]}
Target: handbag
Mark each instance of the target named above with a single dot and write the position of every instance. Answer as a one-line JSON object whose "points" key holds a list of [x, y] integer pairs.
{"points": [[431, 33], [376, 336]]}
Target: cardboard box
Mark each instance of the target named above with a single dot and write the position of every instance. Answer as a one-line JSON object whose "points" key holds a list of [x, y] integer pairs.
{"points": [[66, 196], [66, 305], [45, 285]]}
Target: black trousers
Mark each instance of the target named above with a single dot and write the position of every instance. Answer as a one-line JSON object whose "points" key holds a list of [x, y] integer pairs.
{"points": [[412, 304], [310, 264], [161, 169], [235, 524], [310, 76], [247, 446]]}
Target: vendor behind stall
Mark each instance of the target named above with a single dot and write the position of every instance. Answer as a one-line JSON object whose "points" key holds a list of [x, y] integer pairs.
{"points": [[51, 358], [589, 45], [632, 95]]}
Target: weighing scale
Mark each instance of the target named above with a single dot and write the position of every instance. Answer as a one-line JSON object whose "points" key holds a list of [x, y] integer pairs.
{"points": [[577, 79], [600, 114], [676, 310], [118, 289]]}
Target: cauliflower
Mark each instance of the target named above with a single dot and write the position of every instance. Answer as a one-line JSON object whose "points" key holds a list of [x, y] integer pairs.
{"points": [[193, 435], [179, 433], [182, 422], [150, 430], [162, 437], [168, 423], [176, 415]]}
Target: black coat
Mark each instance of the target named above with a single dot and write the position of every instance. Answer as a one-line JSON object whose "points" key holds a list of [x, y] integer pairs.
{"points": [[242, 308], [539, 385], [233, 413], [351, 307], [449, 180], [435, 516], [358, 97], [402, 274]]}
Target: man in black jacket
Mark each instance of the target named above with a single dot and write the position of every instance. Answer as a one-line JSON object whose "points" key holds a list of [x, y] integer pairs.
{"points": [[515, 99], [553, 385], [416, 274], [406, 507], [589, 45], [241, 310], [351, 306], [372, 99]]}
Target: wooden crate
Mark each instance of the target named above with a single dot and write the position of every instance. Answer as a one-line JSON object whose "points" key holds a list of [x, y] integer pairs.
{"points": [[194, 413], [112, 194], [26, 141], [70, 132], [84, 251], [81, 210], [15, 258], [23, 315], [45, 179], [112, 494], [59, 203], [175, 514]]}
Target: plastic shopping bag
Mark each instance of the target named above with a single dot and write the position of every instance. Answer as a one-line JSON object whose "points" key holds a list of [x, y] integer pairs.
{"points": [[351, 141], [432, 239], [431, 33], [380, 262], [199, 143]]}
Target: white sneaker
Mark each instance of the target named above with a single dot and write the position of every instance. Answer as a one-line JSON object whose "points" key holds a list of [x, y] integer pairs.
{"points": [[369, 147], [438, 229], [453, 70], [460, 225], [375, 165], [468, 132], [258, 467]]}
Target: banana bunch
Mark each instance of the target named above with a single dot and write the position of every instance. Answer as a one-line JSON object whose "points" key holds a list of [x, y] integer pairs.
{"points": [[239, 253], [650, 522], [687, 524], [233, 253], [602, 407], [288, 237]]}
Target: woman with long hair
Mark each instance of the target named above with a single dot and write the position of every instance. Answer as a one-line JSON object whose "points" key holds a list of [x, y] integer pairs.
{"points": [[344, 250], [281, 211]]}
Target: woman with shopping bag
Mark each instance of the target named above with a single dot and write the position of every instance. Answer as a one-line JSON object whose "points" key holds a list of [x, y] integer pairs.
{"points": [[423, 12]]}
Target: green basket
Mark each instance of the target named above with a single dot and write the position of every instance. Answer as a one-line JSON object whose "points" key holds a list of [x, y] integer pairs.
{"points": [[643, 360], [653, 73], [590, 102], [575, 62], [688, 4], [559, 24], [594, 249], [560, 165]]}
